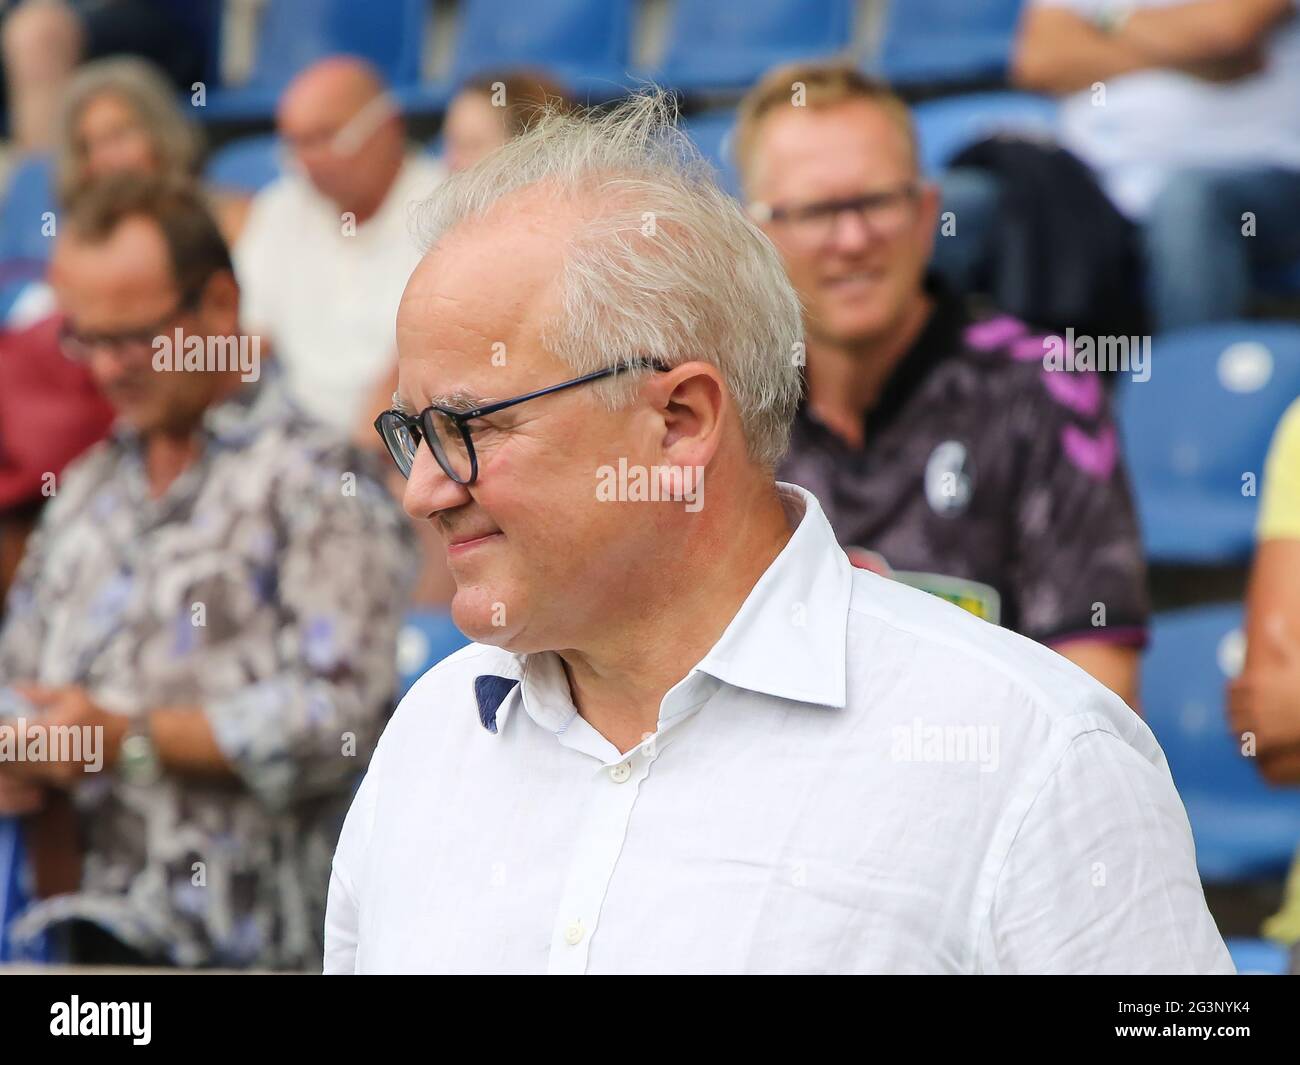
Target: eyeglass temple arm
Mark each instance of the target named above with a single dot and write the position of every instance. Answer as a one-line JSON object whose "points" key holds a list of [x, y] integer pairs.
{"points": [[492, 408]]}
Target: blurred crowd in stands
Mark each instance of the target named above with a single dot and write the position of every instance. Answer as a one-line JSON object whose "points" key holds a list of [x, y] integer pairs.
{"points": [[212, 566]]}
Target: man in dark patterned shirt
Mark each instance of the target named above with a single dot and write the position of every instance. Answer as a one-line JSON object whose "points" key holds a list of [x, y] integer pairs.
{"points": [[211, 599], [946, 450]]}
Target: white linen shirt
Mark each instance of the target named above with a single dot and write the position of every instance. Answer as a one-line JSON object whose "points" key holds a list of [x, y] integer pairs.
{"points": [[858, 777]]}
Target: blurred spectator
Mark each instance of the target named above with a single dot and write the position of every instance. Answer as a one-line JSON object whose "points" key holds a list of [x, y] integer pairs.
{"points": [[50, 412], [1265, 699], [216, 589], [117, 115], [44, 40], [941, 448], [493, 108], [1189, 112], [121, 114], [326, 251]]}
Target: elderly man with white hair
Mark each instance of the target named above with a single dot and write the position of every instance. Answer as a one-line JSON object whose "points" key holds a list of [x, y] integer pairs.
{"points": [[691, 737]]}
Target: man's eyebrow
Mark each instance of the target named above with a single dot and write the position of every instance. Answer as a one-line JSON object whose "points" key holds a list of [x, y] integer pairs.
{"points": [[460, 400]]}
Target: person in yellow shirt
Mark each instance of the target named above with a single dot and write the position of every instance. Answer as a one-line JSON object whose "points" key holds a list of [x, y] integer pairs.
{"points": [[1265, 699], [1280, 515]]}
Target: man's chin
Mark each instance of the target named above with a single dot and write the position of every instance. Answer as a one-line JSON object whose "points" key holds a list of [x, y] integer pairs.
{"points": [[141, 417], [861, 327], [482, 615]]}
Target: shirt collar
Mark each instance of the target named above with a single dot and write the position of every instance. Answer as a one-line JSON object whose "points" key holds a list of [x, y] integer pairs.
{"points": [[490, 692], [787, 640]]}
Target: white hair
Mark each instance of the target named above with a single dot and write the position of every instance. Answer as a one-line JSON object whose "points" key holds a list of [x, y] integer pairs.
{"points": [[663, 265]]}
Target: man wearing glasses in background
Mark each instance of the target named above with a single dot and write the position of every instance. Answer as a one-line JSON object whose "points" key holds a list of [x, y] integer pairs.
{"points": [[941, 448], [214, 594]]}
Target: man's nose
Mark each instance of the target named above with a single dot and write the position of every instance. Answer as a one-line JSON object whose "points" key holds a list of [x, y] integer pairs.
{"points": [[429, 490], [105, 366], [850, 232]]}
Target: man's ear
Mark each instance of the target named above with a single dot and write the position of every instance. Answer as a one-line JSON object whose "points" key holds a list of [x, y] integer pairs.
{"points": [[219, 305], [691, 400]]}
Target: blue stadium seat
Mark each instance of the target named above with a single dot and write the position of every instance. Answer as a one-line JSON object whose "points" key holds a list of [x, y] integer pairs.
{"points": [[1285, 279], [424, 98], [29, 195], [295, 33], [1258, 957], [25, 241], [245, 165], [1242, 827], [713, 46], [201, 21], [13, 895], [1203, 420], [946, 126], [711, 131], [426, 638], [584, 43], [12, 898], [947, 42]]}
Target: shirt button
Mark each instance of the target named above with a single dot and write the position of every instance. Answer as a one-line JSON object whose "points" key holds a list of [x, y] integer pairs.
{"points": [[573, 933], [619, 773]]}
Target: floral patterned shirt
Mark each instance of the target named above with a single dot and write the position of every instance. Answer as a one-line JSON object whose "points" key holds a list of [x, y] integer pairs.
{"points": [[266, 586]]}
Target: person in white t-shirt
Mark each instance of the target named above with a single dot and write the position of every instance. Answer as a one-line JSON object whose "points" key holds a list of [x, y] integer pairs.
{"points": [[1189, 112], [327, 248]]}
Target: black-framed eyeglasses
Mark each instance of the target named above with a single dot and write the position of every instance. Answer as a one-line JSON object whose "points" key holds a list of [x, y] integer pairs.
{"points": [[127, 344], [448, 432], [885, 212]]}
